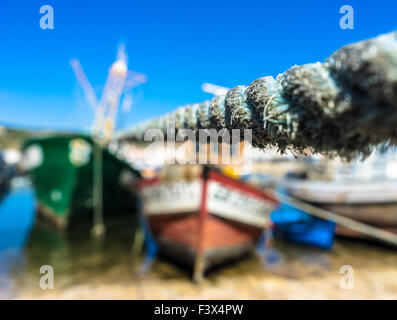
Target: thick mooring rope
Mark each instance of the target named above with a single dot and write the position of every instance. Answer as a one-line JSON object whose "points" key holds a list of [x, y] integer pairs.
{"points": [[347, 105]]}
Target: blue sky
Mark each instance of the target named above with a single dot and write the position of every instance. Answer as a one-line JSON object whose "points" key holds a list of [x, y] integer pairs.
{"points": [[177, 44]]}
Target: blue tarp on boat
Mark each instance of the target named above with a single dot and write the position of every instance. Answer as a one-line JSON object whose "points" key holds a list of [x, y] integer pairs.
{"points": [[298, 226]]}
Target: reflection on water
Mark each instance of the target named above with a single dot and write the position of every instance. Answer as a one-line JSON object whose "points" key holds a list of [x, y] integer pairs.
{"points": [[11, 261], [85, 269]]}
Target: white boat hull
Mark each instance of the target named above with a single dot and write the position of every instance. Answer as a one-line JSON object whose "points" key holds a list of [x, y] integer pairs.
{"points": [[330, 192]]}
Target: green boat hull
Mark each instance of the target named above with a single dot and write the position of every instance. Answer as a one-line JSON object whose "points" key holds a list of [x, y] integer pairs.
{"points": [[61, 169]]}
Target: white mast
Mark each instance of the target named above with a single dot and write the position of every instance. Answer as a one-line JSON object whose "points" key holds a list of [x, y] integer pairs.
{"points": [[120, 81], [107, 109]]}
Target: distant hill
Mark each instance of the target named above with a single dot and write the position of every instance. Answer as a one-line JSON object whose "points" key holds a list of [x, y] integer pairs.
{"points": [[11, 137]]}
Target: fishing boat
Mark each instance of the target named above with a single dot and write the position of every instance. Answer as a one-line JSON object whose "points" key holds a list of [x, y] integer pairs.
{"points": [[202, 218], [62, 171], [75, 175], [364, 191], [293, 224]]}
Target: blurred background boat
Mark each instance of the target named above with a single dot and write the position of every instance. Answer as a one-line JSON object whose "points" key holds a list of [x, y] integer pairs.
{"points": [[62, 171], [298, 226], [76, 175], [202, 218], [364, 191]]}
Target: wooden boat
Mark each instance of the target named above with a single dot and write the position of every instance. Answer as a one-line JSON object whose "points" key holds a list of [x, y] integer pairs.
{"points": [[204, 219], [365, 191], [61, 169]]}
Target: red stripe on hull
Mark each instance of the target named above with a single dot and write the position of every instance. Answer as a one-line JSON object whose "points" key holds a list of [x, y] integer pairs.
{"points": [[183, 229], [219, 234], [178, 228]]}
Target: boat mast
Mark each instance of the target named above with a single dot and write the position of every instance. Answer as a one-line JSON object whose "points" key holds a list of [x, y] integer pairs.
{"points": [[119, 80], [106, 112]]}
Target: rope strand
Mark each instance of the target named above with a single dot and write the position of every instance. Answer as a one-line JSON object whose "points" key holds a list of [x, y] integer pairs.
{"points": [[346, 105]]}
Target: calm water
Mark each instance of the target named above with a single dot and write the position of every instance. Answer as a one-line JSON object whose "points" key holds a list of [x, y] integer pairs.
{"points": [[84, 269]]}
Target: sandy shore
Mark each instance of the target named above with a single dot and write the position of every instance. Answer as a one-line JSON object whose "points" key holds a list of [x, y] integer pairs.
{"points": [[301, 273]]}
